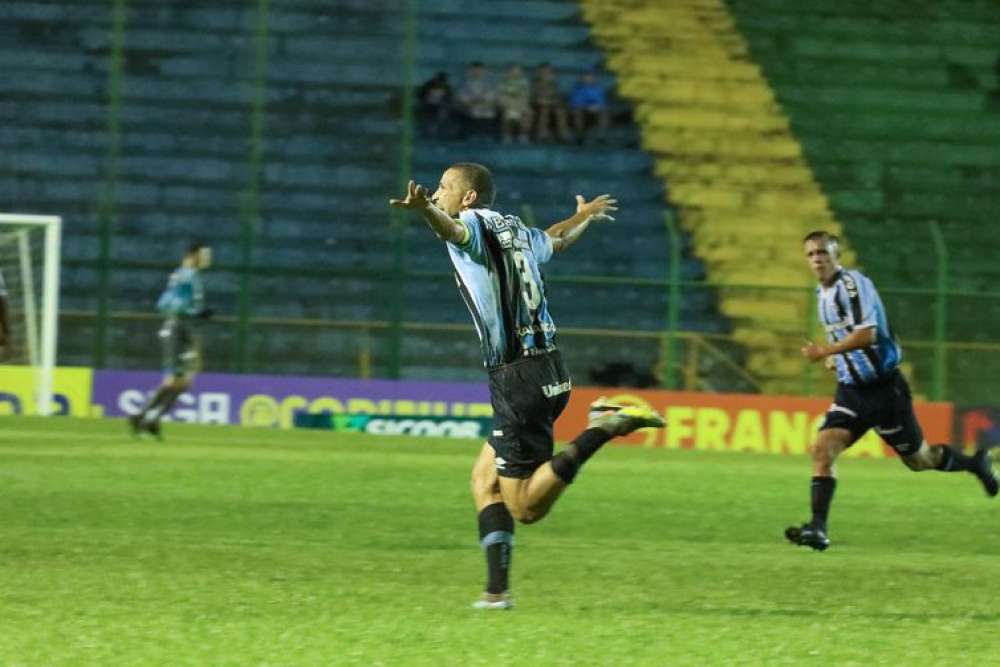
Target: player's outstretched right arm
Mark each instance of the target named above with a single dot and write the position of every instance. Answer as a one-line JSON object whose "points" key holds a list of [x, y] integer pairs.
{"points": [[447, 228]]}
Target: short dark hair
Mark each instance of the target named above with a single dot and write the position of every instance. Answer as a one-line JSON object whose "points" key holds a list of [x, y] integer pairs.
{"points": [[821, 235], [478, 178], [194, 247], [826, 238]]}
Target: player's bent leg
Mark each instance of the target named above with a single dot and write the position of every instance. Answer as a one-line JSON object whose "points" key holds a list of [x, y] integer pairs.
{"points": [[530, 499], [945, 458]]}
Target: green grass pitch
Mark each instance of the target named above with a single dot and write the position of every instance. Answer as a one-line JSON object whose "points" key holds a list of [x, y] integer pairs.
{"points": [[227, 546]]}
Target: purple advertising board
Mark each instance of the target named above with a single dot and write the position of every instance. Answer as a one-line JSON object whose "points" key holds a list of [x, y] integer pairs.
{"points": [[273, 401]]}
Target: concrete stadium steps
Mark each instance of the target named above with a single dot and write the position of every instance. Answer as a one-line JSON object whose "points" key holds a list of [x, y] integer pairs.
{"points": [[733, 166], [895, 113]]}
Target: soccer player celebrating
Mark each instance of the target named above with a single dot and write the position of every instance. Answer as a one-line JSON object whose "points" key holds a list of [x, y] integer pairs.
{"points": [[182, 303], [871, 392], [496, 260]]}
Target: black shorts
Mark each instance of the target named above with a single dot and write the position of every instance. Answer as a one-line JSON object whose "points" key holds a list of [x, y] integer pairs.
{"points": [[179, 343], [885, 406], [528, 396]]}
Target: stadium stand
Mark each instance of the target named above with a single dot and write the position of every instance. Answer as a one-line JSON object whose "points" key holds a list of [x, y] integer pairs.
{"points": [[896, 115], [179, 162]]}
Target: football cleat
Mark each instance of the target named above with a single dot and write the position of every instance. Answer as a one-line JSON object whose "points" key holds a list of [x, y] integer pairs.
{"points": [[986, 473], [807, 536], [494, 601], [135, 424], [153, 428], [621, 420]]}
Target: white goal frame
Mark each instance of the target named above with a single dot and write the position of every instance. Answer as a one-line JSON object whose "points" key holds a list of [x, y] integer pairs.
{"points": [[41, 352]]}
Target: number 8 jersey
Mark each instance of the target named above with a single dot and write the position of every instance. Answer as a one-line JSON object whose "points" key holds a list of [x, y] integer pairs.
{"points": [[496, 268]]}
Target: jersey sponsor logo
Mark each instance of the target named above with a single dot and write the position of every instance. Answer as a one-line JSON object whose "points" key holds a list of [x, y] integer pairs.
{"points": [[551, 390]]}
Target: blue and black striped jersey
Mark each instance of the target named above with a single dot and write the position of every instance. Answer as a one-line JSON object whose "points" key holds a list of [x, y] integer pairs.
{"points": [[497, 271], [852, 303]]}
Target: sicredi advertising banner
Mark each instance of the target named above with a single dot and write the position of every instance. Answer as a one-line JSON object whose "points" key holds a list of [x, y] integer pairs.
{"points": [[740, 422], [274, 401], [70, 391]]}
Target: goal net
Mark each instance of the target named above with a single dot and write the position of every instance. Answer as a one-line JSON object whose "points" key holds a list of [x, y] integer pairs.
{"points": [[29, 264]]}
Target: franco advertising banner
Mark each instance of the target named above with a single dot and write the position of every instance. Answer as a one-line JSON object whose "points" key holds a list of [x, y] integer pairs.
{"points": [[276, 401], [70, 391], [739, 422]]}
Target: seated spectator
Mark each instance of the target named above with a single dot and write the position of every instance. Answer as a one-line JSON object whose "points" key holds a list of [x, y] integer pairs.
{"points": [[478, 102], [548, 105], [434, 104], [589, 107], [514, 101]]}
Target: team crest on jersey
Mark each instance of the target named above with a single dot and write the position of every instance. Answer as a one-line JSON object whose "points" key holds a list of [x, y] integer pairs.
{"points": [[852, 287]]}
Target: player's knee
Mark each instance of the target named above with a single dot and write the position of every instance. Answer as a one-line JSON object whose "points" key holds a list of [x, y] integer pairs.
{"points": [[923, 459], [525, 515]]}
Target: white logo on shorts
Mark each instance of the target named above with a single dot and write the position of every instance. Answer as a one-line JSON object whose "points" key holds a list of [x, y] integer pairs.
{"points": [[501, 463], [497, 432]]}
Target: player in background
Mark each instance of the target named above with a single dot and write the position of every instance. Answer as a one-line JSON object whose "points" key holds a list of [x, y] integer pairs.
{"points": [[871, 392], [4, 320], [496, 260], [182, 303]]}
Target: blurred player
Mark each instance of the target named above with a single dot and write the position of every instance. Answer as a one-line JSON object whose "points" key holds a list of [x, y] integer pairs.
{"points": [[871, 392], [4, 320], [182, 303], [496, 260]]}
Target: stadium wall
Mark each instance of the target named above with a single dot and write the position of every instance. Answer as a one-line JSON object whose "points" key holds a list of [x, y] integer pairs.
{"points": [[698, 421]]}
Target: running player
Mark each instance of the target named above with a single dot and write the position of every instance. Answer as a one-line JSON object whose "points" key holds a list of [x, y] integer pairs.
{"points": [[496, 260], [182, 303], [871, 392]]}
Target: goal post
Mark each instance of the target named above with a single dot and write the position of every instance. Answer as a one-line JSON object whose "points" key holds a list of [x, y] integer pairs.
{"points": [[30, 248]]}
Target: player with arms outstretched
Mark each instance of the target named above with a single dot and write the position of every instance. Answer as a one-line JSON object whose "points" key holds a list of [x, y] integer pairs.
{"points": [[182, 304], [871, 392], [496, 260]]}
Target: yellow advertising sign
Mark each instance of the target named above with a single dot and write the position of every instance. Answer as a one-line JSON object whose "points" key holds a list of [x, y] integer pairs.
{"points": [[71, 391]]}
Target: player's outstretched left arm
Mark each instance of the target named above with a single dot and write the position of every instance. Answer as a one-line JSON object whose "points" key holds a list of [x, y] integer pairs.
{"points": [[447, 228], [565, 233]]}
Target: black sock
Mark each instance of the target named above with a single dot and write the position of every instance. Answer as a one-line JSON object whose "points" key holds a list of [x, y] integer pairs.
{"points": [[162, 402], [496, 537], [154, 401], [953, 460], [567, 463], [821, 490]]}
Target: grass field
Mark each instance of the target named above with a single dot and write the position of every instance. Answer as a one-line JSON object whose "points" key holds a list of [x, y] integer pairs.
{"points": [[247, 547]]}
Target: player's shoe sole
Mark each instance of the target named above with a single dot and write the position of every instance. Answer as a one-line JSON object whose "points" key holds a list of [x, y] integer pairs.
{"points": [[807, 536], [986, 472], [622, 420]]}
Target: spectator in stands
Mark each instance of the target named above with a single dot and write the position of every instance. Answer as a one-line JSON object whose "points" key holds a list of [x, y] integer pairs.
{"points": [[434, 104], [548, 104], [478, 102], [588, 105], [514, 102]]}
